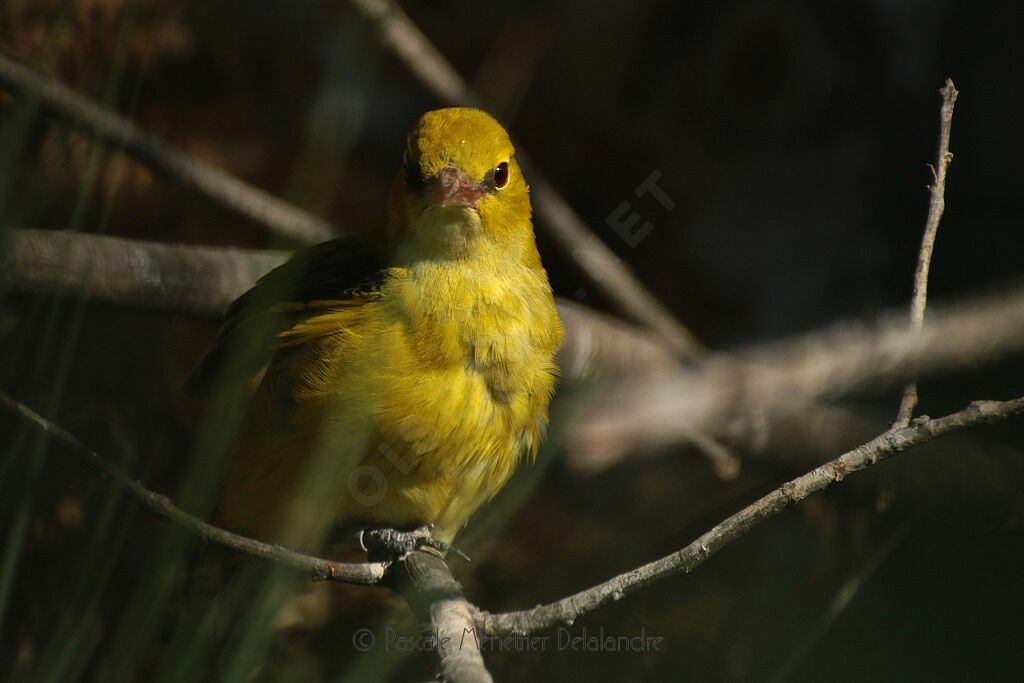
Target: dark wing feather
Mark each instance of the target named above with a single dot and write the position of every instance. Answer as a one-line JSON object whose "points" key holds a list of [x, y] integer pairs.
{"points": [[342, 270]]}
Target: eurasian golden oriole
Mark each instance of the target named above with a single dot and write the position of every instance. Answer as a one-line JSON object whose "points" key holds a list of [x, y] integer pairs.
{"points": [[402, 385]]}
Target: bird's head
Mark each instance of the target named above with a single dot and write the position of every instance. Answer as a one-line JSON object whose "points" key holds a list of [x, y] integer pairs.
{"points": [[460, 183]]}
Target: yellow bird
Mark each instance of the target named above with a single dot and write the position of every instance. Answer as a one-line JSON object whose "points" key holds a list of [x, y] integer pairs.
{"points": [[404, 388]]}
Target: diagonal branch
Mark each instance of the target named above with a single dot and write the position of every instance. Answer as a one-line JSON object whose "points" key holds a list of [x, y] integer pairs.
{"points": [[606, 270], [321, 569], [400, 35], [921, 430], [424, 578], [936, 206], [276, 215]]}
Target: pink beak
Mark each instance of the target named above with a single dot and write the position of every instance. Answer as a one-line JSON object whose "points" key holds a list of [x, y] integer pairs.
{"points": [[452, 187]]}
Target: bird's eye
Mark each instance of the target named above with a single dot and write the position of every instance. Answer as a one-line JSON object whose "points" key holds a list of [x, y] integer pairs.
{"points": [[501, 175]]}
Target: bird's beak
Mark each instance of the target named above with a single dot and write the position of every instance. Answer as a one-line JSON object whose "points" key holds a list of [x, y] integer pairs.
{"points": [[452, 187]]}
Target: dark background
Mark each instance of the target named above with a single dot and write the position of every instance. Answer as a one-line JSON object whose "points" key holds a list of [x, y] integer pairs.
{"points": [[793, 139]]}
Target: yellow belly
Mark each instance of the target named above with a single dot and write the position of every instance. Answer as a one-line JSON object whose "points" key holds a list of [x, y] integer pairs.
{"points": [[388, 422]]}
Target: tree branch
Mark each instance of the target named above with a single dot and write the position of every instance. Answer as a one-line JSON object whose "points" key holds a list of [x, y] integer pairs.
{"points": [[424, 578], [367, 573], [412, 47], [277, 216], [606, 270], [178, 278], [436, 598], [921, 430], [661, 403], [203, 281], [936, 206], [767, 380]]}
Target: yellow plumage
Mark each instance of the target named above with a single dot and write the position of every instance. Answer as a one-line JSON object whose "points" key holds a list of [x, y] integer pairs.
{"points": [[404, 395]]}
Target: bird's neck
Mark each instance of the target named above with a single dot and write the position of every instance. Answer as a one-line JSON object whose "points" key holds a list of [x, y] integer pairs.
{"points": [[478, 308], [477, 270], [457, 237]]}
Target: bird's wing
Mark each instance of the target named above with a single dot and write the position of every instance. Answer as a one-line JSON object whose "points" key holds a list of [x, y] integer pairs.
{"points": [[333, 274]]}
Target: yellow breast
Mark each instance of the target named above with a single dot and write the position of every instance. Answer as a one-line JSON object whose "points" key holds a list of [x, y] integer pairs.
{"points": [[416, 408]]}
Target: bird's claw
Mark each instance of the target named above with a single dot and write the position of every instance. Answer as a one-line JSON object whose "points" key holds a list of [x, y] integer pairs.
{"points": [[400, 543]]}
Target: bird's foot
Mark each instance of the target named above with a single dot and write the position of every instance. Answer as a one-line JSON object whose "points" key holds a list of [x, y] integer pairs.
{"points": [[400, 543]]}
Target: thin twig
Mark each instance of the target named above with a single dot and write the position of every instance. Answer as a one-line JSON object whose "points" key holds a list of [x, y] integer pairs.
{"points": [[277, 216], [427, 580], [366, 573], [936, 206], [921, 430], [424, 578], [606, 270]]}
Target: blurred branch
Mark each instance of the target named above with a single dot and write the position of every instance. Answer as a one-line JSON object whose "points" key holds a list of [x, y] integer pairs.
{"points": [[277, 216], [935, 208], [367, 573], [771, 379], [606, 270], [841, 601], [179, 278], [397, 31], [921, 430], [742, 400], [203, 281], [598, 345]]}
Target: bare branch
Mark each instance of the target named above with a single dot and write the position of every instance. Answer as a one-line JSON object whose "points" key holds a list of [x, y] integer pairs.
{"points": [[277, 216], [598, 345], [665, 403], [766, 380], [436, 598], [367, 573], [177, 278], [400, 35], [931, 228], [921, 430], [205, 280], [425, 578], [606, 270]]}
